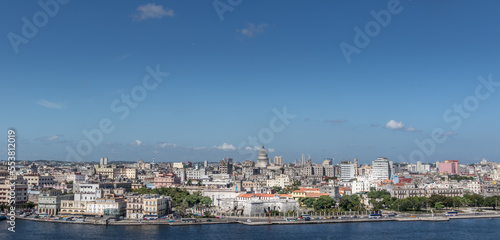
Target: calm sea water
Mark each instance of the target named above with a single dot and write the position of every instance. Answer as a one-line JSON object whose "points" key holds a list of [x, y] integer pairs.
{"points": [[454, 229]]}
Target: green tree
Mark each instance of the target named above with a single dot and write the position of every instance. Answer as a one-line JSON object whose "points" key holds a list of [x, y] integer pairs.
{"points": [[492, 202], [4, 207], [324, 202], [28, 205], [439, 205], [308, 201], [207, 214], [351, 202], [189, 182]]}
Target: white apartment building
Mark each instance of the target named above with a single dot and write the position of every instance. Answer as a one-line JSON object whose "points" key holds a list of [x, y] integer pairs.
{"points": [[86, 192], [279, 181], [474, 187], [195, 174], [358, 187], [346, 171], [381, 169], [106, 206]]}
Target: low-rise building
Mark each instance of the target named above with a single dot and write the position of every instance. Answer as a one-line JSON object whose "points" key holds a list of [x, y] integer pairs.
{"points": [[109, 206], [148, 206], [51, 205], [258, 204]]}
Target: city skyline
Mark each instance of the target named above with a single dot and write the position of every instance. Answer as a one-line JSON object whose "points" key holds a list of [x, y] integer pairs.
{"points": [[424, 85]]}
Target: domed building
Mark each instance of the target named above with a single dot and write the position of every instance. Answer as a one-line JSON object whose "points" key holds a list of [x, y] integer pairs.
{"points": [[262, 160]]}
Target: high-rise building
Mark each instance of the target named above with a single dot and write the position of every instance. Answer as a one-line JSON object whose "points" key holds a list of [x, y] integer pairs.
{"points": [[449, 167], [381, 169], [346, 171], [103, 161], [278, 160], [356, 167]]}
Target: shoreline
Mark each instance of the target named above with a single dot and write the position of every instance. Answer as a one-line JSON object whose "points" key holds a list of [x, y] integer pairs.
{"points": [[263, 221]]}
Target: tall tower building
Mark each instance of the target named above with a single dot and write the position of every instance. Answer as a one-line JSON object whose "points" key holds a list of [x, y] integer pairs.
{"points": [[278, 160], [356, 167], [381, 169]]}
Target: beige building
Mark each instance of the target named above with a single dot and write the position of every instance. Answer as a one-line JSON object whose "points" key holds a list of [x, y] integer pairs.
{"points": [[51, 205], [426, 192], [20, 190], [111, 171], [72, 207], [35, 180], [148, 206]]}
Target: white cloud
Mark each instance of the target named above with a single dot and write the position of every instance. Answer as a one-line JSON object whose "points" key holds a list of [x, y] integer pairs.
{"points": [[151, 10], [399, 126], [270, 150], [394, 125], [226, 146], [136, 143], [47, 104], [450, 133], [251, 29]]}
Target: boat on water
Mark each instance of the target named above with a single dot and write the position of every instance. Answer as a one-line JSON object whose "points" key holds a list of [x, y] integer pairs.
{"points": [[3, 217]]}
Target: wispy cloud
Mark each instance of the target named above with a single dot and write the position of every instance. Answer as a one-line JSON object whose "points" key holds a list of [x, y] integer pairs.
{"points": [[226, 146], [251, 30], [151, 10], [124, 56], [136, 143], [334, 121], [48, 139], [48, 104], [394, 125], [165, 144]]}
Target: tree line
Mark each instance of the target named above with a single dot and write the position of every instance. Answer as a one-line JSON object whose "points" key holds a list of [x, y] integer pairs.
{"points": [[383, 200]]}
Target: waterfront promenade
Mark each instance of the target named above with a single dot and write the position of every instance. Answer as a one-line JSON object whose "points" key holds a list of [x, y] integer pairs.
{"points": [[255, 221]]}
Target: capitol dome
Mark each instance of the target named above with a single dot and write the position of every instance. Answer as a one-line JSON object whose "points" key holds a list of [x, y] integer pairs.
{"points": [[262, 160]]}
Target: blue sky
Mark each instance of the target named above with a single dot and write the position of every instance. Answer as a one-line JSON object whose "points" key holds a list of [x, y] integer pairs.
{"points": [[226, 77]]}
